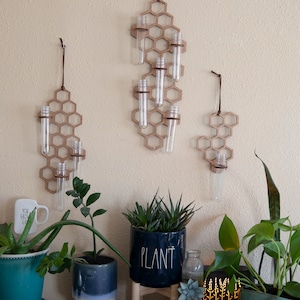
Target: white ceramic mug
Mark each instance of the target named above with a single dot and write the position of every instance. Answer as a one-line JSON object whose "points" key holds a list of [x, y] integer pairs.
{"points": [[23, 207]]}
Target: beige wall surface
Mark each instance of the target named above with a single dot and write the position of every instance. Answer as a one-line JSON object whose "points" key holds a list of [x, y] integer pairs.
{"points": [[254, 44]]}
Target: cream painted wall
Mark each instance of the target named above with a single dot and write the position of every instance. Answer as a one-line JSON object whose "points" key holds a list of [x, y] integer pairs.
{"points": [[254, 44]]}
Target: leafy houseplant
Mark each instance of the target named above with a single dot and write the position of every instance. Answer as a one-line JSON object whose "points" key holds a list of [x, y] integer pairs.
{"points": [[266, 234], [57, 261], [158, 241]]}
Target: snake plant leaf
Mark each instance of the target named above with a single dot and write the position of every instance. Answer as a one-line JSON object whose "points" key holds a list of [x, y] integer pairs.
{"points": [[274, 196]]}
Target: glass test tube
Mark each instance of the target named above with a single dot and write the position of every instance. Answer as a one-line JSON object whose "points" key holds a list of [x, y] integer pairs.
{"points": [[143, 103], [77, 157], [45, 129], [177, 44], [61, 176], [173, 118], [220, 164], [160, 78], [141, 28]]}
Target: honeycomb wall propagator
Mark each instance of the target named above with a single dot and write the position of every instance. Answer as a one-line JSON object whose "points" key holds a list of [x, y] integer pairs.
{"points": [[159, 33], [222, 124], [64, 119]]}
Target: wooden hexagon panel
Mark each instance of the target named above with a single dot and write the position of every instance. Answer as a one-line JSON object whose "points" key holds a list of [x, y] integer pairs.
{"points": [[63, 121], [159, 33], [222, 124]]}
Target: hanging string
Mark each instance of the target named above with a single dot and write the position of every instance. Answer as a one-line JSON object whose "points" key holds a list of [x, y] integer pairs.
{"points": [[220, 96], [63, 64]]}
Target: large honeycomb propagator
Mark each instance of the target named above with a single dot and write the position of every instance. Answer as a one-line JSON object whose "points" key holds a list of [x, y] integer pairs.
{"points": [[222, 124], [159, 32], [63, 121]]}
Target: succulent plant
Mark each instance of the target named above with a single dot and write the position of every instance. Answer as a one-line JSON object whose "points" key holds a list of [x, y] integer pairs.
{"points": [[190, 290], [158, 217]]}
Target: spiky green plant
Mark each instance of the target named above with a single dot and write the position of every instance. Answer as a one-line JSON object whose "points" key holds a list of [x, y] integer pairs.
{"points": [[160, 217]]}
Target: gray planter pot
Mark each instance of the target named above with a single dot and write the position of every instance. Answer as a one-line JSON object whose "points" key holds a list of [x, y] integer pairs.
{"points": [[252, 295], [95, 281]]}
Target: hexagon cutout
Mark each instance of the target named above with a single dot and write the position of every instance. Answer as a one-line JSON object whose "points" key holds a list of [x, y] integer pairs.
{"points": [[67, 130], [62, 95], [155, 31], [162, 45], [75, 119], [158, 7], [216, 120], [203, 143], [55, 105], [57, 140], [154, 142], [165, 19], [69, 107], [217, 142], [156, 117], [60, 118], [230, 119]]}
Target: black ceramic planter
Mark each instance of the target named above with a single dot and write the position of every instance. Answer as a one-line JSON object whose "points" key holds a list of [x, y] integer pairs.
{"points": [[156, 257], [95, 281]]}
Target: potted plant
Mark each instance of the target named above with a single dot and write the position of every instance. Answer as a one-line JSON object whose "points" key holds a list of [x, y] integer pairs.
{"points": [[266, 234], [17, 253], [157, 245]]}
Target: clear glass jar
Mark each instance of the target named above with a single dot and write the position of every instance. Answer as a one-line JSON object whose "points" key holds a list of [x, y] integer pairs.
{"points": [[192, 267]]}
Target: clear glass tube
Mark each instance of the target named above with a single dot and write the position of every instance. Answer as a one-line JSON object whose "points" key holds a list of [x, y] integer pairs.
{"points": [[45, 129], [141, 29], [77, 155], [173, 118], [177, 44], [61, 176], [160, 78], [218, 177], [143, 103]]}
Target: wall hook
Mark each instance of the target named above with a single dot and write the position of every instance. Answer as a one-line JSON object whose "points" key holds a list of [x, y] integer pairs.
{"points": [[220, 100]]}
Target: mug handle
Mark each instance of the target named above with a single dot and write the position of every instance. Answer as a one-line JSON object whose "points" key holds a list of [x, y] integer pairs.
{"points": [[47, 214]]}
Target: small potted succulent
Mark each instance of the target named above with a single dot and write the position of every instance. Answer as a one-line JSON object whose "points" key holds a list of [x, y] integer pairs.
{"points": [[190, 290], [158, 236], [15, 282]]}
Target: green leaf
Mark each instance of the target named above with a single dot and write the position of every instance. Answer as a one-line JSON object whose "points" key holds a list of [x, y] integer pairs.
{"points": [[99, 212], [274, 249], [85, 211], [228, 236], [295, 246], [263, 229], [225, 259], [255, 241], [64, 250], [92, 198], [27, 227], [292, 288], [77, 202]]}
